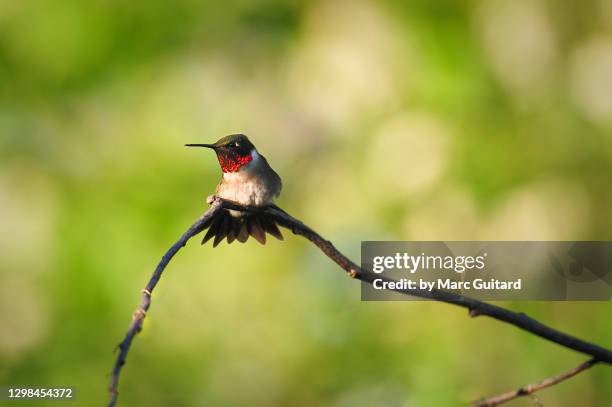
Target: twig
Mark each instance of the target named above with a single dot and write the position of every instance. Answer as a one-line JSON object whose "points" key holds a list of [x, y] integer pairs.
{"points": [[140, 313], [474, 307], [529, 389]]}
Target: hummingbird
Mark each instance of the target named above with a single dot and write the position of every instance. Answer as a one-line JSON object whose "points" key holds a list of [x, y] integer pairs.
{"points": [[247, 179]]}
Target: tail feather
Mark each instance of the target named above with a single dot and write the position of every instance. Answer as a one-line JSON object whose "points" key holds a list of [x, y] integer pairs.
{"points": [[223, 230], [224, 225], [269, 225], [243, 234], [256, 230], [233, 231], [214, 227]]}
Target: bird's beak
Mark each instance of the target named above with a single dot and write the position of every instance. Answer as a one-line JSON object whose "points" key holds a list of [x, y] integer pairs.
{"points": [[201, 145]]}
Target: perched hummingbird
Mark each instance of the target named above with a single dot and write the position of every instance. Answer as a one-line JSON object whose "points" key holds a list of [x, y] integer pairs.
{"points": [[248, 180]]}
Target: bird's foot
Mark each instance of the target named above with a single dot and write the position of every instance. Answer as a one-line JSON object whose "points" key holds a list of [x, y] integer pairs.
{"points": [[210, 199]]}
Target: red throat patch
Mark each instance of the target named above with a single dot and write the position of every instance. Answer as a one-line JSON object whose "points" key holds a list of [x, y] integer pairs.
{"points": [[234, 163]]}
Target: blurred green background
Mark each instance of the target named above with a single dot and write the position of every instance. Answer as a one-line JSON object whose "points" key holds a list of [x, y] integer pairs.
{"points": [[387, 120]]}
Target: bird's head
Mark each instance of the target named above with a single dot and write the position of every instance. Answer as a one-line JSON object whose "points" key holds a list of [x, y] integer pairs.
{"points": [[233, 151]]}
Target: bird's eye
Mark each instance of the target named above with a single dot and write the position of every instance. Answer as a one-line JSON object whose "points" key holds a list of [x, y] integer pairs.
{"points": [[231, 144]]}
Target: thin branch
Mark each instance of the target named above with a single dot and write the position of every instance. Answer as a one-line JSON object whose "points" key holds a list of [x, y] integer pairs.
{"points": [[475, 307], [140, 313], [529, 389]]}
